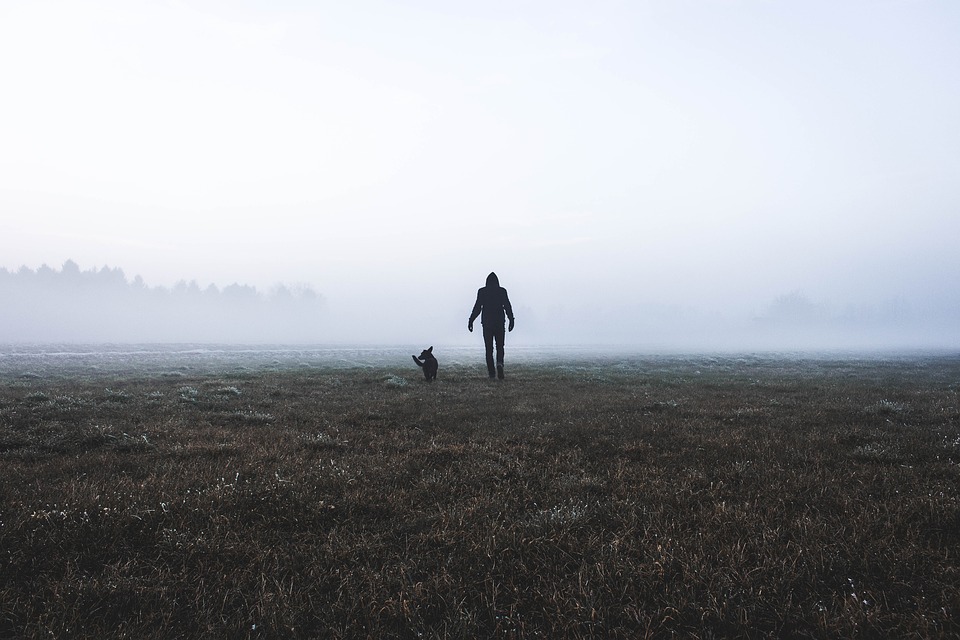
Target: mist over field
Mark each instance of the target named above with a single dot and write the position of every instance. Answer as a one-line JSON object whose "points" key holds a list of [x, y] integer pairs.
{"points": [[690, 175], [70, 305]]}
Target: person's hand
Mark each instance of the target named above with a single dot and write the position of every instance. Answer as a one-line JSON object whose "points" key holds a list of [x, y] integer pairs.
{"points": [[470, 326], [510, 328]]}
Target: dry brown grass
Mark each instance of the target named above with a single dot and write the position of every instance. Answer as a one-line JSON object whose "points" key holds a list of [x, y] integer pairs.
{"points": [[643, 497]]}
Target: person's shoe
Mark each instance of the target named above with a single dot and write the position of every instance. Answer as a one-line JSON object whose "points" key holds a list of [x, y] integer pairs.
{"points": [[500, 371]]}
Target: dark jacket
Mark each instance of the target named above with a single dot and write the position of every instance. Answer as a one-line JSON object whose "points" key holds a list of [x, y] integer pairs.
{"points": [[492, 303]]}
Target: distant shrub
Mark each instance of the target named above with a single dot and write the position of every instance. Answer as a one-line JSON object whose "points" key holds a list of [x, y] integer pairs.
{"points": [[251, 417], [563, 514], [319, 442], [395, 381], [188, 394], [228, 391], [888, 407], [875, 452], [117, 396]]}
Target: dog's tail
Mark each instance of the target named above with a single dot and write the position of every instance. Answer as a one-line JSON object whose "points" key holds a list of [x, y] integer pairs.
{"points": [[419, 364]]}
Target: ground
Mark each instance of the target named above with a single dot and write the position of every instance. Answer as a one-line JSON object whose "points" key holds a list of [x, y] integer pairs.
{"points": [[336, 494]]}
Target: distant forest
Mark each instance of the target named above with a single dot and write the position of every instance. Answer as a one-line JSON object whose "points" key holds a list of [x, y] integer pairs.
{"points": [[102, 305]]}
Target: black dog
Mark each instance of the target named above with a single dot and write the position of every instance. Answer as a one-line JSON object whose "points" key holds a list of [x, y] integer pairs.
{"points": [[429, 364]]}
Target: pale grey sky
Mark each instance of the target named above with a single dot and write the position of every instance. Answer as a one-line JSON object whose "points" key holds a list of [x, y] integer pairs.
{"points": [[600, 156]]}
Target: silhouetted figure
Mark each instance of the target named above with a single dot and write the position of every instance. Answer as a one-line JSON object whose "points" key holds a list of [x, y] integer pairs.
{"points": [[492, 305]]}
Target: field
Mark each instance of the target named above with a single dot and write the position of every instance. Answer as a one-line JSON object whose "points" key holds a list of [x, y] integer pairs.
{"points": [[337, 494]]}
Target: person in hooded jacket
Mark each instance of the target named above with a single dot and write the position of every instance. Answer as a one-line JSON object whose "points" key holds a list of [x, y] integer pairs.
{"points": [[492, 305]]}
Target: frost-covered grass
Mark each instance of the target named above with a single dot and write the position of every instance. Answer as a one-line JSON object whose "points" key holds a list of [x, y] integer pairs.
{"points": [[606, 497]]}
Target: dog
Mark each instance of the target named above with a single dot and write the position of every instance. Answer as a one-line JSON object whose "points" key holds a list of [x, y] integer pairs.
{"points": [[429, 364]]}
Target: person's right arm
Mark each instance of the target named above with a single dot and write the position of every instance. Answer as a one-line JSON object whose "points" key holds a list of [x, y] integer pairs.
{"points": [[477, 307]]}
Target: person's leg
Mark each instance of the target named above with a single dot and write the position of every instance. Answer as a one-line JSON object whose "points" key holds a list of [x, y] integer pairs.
{"points": [[488, 345], [500, 335]]}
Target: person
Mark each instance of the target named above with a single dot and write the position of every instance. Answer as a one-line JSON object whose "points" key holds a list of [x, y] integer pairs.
{"points": [[492, 305]]}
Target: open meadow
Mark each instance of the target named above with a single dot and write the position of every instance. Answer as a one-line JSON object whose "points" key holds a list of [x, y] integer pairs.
{"points": [[338, 495]]}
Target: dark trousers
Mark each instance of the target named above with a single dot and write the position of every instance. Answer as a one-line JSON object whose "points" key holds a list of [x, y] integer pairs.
{"points": [[496, 332]]}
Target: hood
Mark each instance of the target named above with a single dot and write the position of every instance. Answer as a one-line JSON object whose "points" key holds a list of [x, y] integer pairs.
{"points": [[493, 280]]}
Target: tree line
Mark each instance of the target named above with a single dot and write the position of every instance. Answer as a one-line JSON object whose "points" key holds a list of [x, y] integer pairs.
{"points": [[102, 305]]}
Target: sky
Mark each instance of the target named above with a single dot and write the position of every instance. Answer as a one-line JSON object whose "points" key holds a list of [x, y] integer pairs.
{"points": [[613, 161]]}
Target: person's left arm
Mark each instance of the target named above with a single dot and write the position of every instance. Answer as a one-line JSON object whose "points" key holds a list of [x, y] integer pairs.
{"points": [[508, 308]]}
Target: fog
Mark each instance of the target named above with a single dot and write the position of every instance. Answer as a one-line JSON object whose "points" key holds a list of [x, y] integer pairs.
{"points": [[97, 306], [671, 176]]}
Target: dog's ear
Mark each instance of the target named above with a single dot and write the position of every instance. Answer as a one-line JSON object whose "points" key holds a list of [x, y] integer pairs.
{"points": [[430, 350]]}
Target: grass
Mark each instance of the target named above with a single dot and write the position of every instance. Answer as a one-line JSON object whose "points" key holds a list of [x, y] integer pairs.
{"points": [[610, 498]]}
